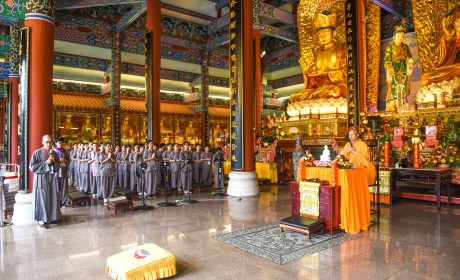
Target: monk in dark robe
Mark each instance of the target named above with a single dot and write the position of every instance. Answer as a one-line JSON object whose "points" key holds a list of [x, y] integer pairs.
{"points": [[150, 157], [197, 167], [45, 164], [73, 165], [175, 165]]}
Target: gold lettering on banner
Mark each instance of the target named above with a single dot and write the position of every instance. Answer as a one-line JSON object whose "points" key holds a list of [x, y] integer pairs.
{"points": [[349, 22], [232, 36], [233, 25], [233, 90], [350, 48], [233, 103], [350, 55], [233, 135], [233, 69], [233, 57], [234, 146], [232, 3], [233, 123], [233, 114], [349, 30], [350, 39], [351, 87], [232, 14], [233, 80], [234, 158], [350, 80], [349, 15], [351, 71], [350, 63], [232, 46]]}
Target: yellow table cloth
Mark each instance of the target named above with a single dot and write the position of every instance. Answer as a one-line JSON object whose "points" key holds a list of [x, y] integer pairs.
{"points": [[159, 263], [355, 209], [266, 170]]}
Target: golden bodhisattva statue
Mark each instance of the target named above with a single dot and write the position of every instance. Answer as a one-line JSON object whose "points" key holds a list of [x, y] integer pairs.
{"points": [[399, 65], [325, 72]]}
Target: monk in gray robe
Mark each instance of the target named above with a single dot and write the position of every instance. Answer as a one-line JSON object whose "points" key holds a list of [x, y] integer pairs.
{"points": [[150, 157], [85, 157], [62, 177], [175, 166], [44, 164], [186, 169], [135, 181], [107, 170], [165, 156], [206, 167], [197, 166], [73, 165], [218, 159]]}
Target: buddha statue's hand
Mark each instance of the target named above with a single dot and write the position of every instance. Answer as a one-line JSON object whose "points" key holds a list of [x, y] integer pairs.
{"points": [[448, 27]]}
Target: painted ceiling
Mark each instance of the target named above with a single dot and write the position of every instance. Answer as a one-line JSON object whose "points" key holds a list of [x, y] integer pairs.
{"points": [[83, 42]]}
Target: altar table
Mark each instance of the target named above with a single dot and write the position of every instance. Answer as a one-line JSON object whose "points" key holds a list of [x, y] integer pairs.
{"points": [[355, 209], [267, 170]]}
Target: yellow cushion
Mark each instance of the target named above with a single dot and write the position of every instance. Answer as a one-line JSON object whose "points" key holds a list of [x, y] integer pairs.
{"points": [[147, 261]]}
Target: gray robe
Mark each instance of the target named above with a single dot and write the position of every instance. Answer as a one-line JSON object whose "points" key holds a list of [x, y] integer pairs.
{"points": [[123, 170], [62, 177], [73, 167], [186, 171], [46, 201], [174, 166], [206, 169], [107, 172], [84, 172], [151, 173], [135, 182], [197, 167]]}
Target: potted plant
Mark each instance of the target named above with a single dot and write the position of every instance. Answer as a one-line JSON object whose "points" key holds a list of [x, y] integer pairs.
{"points": [[267, 140]]}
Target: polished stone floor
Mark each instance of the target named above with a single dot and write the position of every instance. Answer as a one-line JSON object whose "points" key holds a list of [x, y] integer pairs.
{"points": [[413, 241]]}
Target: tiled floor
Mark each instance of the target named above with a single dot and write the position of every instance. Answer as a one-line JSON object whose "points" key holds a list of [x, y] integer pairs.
{"points": [[413, 241]]}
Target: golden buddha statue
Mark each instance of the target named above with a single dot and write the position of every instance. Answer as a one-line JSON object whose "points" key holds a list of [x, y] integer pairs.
{"points": [[324, 72]]}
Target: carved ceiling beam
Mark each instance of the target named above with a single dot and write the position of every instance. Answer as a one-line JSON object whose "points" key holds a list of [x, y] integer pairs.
{"points": [[391, 7], [278, 33], [216, 41], [271, 12], [73, 4], [220, 3], [131, 16]]}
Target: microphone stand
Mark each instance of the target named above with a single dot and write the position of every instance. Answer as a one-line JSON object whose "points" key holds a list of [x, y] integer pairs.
{"points": [[164, 170], [189, 182], [219, 192], [144, 206]]}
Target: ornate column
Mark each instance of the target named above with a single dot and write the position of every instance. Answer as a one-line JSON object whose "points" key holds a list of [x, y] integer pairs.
{"points": [[15, 33], [39, 19], [115, 77], [257, 66], [153, 63], [243, 179], [204, 99]]}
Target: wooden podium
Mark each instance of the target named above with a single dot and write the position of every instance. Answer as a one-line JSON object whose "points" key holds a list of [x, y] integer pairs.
{"points": [[329, 205]]}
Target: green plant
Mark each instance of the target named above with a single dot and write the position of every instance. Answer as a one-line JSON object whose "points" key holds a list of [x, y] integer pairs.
{"points": [[268, 139]]}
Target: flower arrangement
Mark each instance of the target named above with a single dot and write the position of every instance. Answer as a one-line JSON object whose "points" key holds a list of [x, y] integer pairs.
{"points": [[343, 162], [443, 154], [309, 159]]}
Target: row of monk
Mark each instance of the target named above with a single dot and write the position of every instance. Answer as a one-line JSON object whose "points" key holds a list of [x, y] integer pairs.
{"points": [[97, 170]]}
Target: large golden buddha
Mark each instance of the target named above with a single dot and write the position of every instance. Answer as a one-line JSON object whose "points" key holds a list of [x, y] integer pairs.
{"points": [[325, 72]]}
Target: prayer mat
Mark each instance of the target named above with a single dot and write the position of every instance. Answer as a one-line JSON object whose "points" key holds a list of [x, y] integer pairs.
{"points": [[282, 247]]}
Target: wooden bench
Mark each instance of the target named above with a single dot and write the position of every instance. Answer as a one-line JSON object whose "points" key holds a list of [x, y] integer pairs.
{"points": [[78, 198], [302, 224], [201, 188], [129, 194], [120, 204]]}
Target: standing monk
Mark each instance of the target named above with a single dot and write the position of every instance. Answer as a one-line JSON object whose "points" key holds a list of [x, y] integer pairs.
{"points": [[62, 177], [44, 164]]}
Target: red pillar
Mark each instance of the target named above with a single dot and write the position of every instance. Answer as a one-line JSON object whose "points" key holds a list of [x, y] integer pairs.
{"points": [[14, 138], [154, 25], [248, 87], [15, 32], [258, 81], [40, 20]]}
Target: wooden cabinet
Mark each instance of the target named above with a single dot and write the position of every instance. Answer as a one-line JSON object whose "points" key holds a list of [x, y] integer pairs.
{"points": [[329, 205], [295, 199]]}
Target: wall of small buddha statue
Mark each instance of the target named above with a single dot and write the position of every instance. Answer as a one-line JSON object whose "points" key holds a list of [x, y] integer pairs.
{"points": [[90, 126]]}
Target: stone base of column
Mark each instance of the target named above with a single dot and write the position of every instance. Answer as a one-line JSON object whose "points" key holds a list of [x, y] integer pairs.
{"points": [[243, 184], [23, 210]]}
